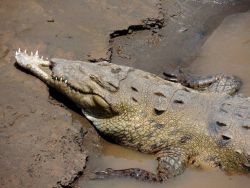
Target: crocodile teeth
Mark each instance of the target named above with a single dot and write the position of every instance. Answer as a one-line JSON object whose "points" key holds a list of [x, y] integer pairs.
{"points": [[36, 53], [19, 50], [25, 51], [31, 53], [61, 79], [42, 58], [65, 81]]}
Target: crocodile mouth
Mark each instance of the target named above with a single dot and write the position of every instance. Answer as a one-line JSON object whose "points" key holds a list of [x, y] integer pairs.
{"points": [[43, 69]]}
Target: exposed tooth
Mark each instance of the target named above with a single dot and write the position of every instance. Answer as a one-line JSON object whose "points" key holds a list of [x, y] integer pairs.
{"points": [[36, 53], [65, 81], [61, 79], [16, 53], [19, 50], [42, 58], [25, 51], [31, 53], [56, 78]]}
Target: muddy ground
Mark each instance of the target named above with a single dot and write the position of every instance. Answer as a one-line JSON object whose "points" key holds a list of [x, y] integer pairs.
{"points": [[44, 141]]}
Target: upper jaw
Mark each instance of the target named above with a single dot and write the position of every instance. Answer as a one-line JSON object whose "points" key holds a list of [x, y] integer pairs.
{"points": [[32, 62], [23, 59]]}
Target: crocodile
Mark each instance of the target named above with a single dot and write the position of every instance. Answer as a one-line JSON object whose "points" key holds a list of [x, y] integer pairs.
{"points": [[182, 120]]}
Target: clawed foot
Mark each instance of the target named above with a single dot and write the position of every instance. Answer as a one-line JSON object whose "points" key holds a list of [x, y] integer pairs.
{"points": [[101, 174], [135, 173], [219, 83]]}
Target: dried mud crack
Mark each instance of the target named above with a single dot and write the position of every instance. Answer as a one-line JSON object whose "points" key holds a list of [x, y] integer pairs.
{"points": [[151, 24], [148, 24]]}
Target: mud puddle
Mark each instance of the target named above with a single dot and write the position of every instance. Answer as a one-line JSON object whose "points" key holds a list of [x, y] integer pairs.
{"points": [[227, 50]]}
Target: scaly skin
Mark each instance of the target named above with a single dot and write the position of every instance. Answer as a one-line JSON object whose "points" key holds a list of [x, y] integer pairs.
{"points": [[180, 125]]}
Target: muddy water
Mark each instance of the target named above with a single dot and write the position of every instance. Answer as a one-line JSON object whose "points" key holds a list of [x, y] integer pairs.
{"points": [[227, 50], [118, 157]]}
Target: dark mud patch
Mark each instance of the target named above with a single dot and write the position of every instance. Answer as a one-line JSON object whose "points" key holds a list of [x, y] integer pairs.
{"points": [[187, 24]]}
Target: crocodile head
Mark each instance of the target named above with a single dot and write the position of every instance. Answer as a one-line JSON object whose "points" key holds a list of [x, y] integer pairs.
{"points": [[92, 86]]}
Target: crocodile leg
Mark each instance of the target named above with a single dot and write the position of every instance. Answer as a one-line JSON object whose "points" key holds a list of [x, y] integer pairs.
{"points": [[214, 83], [170, 163], [188, 80]]}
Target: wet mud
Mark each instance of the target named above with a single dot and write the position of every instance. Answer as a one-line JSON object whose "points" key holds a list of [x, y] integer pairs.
{"points": [[44, 140]]}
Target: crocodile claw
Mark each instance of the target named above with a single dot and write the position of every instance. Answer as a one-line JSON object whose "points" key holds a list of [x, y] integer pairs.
{"points": [[101, 174]]}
